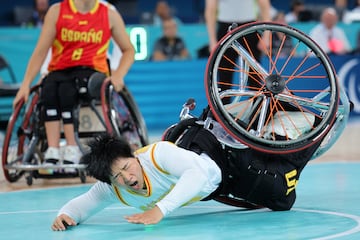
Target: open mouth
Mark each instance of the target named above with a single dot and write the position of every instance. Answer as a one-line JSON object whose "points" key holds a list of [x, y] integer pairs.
{"points": [[133, 184]]}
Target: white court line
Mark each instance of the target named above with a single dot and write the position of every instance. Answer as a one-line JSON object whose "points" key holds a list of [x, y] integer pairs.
{"points": [[353, 230], [356, 229], [27, 212], [113, 208]]}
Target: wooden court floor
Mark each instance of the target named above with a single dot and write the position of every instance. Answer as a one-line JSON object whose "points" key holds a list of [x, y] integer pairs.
{"points": [[326, 208]]}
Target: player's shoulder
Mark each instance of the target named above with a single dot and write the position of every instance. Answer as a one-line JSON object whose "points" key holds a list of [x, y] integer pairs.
{"points": [[53, 13], [165, 144], [54, 7], [108, 5], [156, 146]]}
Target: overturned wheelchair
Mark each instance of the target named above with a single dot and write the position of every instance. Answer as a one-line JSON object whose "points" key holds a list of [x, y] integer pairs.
{"points": [[100, 109], [277, 106]]}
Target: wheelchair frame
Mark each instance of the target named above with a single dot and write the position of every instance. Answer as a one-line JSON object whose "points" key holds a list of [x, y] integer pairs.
{"points": [[25, 139]]}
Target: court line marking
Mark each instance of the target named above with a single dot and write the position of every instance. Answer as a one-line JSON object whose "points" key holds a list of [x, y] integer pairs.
{"points": [[351, 231], [356, 218]]}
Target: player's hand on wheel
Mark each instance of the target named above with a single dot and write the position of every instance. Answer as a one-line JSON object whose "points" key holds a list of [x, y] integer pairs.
{"points": [[117, 82], [23, 93]]}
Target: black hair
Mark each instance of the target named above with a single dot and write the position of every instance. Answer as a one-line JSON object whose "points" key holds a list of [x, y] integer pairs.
{"points": [[295, 3], [104, 150]]}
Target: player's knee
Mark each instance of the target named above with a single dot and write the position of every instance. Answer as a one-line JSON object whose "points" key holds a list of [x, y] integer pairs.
{"points": [[51, 114], [67, 116]]}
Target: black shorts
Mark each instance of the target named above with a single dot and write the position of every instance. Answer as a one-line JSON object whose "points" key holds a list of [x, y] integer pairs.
{"points": [[60, 92], [265, 179]]}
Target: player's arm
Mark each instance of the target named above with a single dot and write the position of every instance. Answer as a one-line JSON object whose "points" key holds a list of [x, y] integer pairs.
{"points": [[210, 19], [82, 207], [121, 38], [39, 54], [265, 8], [180, 163], [186, 166]]}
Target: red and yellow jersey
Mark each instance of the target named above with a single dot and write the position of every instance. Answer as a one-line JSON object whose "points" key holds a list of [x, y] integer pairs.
{"points": [[81, 39]]}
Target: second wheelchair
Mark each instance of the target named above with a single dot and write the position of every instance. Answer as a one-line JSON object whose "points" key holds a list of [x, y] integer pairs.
{"points": [[100, 109]]}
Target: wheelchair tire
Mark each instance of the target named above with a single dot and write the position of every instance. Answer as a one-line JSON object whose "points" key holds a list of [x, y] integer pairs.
{"points": [[17, 138], [267, 91], [122, 115], [135, 116]]}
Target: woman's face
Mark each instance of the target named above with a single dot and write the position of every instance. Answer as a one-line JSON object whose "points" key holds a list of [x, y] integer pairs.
{"points": [[170, 28], [128, 172]]}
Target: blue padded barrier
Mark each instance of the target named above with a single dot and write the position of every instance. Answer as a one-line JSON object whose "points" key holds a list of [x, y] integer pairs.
{"points": [[161, 88]]}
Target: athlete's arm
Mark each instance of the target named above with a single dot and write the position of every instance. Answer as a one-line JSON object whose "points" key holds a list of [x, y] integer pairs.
{"points": [[195, 174], [46, 39], [121, 38], [211, 7], [80, 208], [265, 8]]}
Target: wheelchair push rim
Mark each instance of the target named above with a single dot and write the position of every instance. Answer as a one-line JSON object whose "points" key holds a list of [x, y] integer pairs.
{"points": [[122, 116], [18, 137], [258, 106]]}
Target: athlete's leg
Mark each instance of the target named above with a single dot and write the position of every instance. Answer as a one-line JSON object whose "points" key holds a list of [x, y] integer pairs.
{"points": [[53, 133], [49, 98], [68, 99], [69, 92]]}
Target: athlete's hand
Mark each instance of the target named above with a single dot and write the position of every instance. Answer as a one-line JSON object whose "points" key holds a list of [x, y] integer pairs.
{"points": [[151, 216], [62, 222], [23, 93], [117, 82], [212, 45]]}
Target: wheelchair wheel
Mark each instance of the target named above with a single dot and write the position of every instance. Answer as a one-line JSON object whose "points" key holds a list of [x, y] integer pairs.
{"points": [[123, 116], [18, 138], [283, 103]]}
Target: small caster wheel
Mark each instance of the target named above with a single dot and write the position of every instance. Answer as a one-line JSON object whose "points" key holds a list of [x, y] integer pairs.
{"points": [[29, 180], [82, 176]]}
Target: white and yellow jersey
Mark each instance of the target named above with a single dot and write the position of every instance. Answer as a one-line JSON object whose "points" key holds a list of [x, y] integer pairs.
{"points": [[174, 177]]}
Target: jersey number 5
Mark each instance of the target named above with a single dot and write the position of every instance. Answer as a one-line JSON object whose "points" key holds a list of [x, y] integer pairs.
{"points": [[291, 180]]}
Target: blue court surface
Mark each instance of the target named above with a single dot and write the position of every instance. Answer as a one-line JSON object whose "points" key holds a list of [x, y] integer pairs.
{"points": [[326, 208]]}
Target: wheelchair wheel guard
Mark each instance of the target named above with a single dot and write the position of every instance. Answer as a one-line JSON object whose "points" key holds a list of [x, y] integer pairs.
{"points": [[281, 104]]}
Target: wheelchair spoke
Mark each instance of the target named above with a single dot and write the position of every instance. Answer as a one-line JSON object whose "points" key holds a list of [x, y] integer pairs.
{"points": [[249, 59]]}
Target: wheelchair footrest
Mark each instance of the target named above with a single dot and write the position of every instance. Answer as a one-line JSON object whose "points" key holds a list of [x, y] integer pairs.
{"points": [[56, 174]]}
